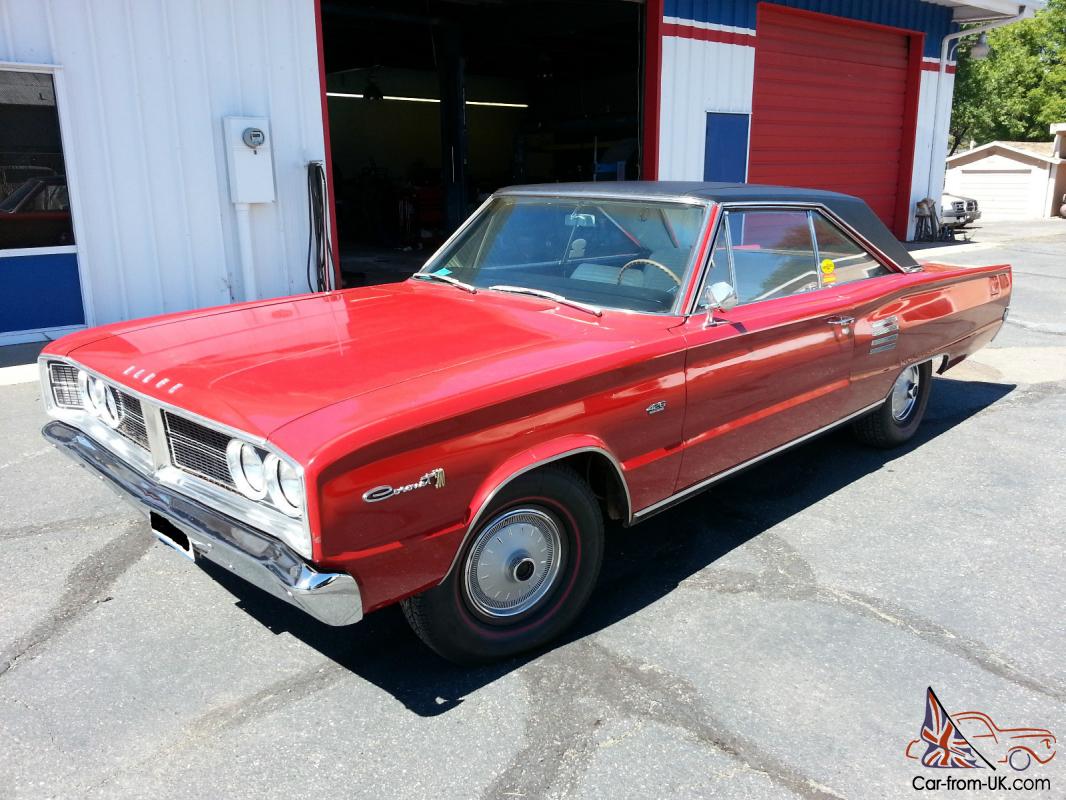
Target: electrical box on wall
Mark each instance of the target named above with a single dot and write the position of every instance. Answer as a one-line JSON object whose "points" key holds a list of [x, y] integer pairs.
{"points": [[249, 159]]}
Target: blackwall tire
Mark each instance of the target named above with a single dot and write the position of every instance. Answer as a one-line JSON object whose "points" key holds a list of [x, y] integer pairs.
{"points": [[523, 576], [897, 419]]}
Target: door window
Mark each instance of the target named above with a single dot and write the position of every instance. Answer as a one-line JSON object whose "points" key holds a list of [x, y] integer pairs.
{"points": [[769, 253], [840, 259]]}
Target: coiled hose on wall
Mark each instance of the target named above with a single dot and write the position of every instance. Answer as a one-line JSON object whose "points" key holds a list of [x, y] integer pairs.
{"points": [[321, 272]]}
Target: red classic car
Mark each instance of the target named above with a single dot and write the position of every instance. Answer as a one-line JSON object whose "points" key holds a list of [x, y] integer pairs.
{"points": [[572, 353]]}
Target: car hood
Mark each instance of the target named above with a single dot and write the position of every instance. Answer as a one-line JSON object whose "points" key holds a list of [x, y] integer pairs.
{"points": [[259, 366]]}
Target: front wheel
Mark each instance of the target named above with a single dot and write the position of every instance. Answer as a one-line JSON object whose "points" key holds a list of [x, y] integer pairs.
{"points": [[523, 576], [897, 419]]}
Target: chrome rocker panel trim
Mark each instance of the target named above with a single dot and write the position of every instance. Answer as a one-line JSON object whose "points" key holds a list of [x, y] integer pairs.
{"points": [[706, 483], [261, 560]]}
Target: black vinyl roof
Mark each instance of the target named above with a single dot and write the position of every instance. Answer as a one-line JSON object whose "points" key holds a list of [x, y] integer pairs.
{"points": [[851, 210]]}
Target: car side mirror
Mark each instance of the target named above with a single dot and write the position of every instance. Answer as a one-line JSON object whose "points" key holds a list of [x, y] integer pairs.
{"points": [[719, 296]]}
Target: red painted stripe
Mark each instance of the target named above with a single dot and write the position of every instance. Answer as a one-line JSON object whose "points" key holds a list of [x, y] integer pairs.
{"points": [[934, 66], [708, 34], [653, 81], [326, 145]]}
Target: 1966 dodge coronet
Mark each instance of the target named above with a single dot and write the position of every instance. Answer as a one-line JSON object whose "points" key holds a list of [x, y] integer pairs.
{"points": [[572, 353]]}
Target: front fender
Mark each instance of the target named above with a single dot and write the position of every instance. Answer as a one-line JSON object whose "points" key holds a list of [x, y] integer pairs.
{"points": [[527, 460]]}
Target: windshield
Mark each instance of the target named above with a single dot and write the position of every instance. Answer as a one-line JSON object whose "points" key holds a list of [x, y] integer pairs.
{"points": [[624, 254], [11, 203]]}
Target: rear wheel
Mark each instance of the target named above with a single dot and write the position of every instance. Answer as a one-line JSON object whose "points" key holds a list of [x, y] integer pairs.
{"points": [[523, 576], [897, 419]]}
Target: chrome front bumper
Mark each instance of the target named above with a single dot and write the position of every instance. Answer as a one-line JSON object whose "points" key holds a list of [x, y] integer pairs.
{"points": [[331, 597]]}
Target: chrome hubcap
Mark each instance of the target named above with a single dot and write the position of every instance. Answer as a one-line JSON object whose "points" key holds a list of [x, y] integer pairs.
{"points": [[905, 393], [514, 563]]}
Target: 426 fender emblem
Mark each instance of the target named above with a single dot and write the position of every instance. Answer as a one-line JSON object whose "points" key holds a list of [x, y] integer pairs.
{"points": [[434, 478]]}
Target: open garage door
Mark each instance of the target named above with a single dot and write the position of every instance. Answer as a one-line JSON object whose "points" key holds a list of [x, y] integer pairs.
{"points": [[434, 104], [834, 107]]}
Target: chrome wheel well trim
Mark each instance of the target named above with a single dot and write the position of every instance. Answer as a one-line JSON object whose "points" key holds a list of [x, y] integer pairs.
{"points": [[476, 518]]}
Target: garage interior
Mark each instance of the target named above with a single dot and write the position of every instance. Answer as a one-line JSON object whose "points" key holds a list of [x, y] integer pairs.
{"points": [[434, 104]]}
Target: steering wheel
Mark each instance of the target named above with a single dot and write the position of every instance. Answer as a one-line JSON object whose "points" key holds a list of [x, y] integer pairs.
{"points": [[656, 264]]}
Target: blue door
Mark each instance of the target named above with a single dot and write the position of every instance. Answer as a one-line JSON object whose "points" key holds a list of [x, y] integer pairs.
{"points": [[39, 291], [725, 154]]}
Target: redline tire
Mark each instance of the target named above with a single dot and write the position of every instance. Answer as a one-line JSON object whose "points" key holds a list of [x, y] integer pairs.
{"points": [[881, 427], [469, 629]]}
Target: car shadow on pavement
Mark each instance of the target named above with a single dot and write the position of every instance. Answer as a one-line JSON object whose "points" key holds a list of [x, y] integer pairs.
{"points": [[642, 564]]}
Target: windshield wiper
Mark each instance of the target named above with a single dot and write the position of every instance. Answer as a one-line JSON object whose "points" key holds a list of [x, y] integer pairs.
{"points": [[558, 298], [433, 276]]}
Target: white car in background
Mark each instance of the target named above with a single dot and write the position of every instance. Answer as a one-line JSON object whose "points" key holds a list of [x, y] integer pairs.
{"points": [[957, 211]]}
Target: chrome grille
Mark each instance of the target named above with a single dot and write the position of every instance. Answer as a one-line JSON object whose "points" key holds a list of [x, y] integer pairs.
{"points": [[64, 379], [198, 449], [971, 205], [132, 419]]}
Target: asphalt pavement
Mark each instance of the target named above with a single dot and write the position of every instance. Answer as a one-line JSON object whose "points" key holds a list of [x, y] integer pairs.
{"points": [[772, 638]]}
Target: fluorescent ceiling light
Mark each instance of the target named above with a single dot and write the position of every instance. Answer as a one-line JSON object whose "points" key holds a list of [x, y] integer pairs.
{"points": [[430, 100]]}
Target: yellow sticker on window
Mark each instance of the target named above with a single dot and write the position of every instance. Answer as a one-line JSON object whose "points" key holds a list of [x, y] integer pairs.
{"points": [[828, 266]]}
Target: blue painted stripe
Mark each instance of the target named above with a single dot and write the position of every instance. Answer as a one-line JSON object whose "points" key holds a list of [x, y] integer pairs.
{"points": [[40, 292], [914, 15]]}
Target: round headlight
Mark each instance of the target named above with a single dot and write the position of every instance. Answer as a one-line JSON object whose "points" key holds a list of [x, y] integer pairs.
{"points": [[246, 467], [99, 399], [285, 485]]}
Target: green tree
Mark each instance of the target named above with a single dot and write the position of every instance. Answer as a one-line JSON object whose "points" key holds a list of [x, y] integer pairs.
{"points": [[1020, 89]]}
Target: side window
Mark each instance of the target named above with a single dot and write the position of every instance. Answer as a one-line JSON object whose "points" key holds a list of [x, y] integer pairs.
{"points": [[771, 254], [840, 259]]}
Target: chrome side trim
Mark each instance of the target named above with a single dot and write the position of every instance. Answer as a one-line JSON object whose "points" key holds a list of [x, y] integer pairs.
{"points": [[606, 194], [696, 487], [476, 518]]}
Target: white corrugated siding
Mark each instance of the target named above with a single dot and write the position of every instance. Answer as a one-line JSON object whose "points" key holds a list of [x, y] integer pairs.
{"points": [[930, 155], [698, 77], [146, 85]]}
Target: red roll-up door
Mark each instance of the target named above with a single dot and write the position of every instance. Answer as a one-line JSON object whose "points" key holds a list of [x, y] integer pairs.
{"points": [[834, 107]]}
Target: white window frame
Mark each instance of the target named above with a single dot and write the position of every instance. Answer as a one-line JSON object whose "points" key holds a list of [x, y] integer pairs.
{"points": [[74, 195]]}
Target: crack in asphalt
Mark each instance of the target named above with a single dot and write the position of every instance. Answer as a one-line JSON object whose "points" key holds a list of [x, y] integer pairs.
{"points": [[75, 525], [585, 684], [1049, 328], [788, 576], [88, 580], [230, 715]]}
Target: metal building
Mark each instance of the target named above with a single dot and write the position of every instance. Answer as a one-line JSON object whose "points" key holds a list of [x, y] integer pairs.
{"points": [[132, 181]]}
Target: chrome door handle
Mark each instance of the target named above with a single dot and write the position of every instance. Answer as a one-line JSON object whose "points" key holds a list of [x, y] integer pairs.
{"points": [[845, 322]]}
